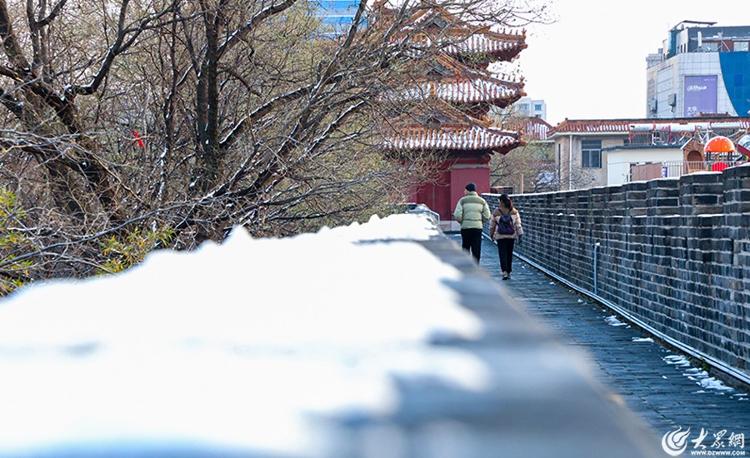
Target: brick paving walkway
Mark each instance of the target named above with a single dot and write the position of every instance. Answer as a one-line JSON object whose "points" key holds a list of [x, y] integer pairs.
{"points": [[655, 383]]}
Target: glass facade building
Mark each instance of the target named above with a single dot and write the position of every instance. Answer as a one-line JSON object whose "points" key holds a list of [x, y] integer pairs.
{"points": [[336, 15], [701, 70]]}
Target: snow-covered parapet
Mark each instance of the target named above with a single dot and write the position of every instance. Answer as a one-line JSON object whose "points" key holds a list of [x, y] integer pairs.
{"points": [[242, 346], [394, 227]]}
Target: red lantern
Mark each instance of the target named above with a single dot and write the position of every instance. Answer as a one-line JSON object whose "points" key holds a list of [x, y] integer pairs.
{"points": [[719, 145]]}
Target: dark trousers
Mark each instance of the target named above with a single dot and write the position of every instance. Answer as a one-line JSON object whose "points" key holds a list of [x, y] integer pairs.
{"points": [[505, 252], [471, 241]]}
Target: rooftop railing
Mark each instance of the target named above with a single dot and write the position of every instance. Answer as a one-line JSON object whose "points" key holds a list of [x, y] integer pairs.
{"points": [[675, 169]]}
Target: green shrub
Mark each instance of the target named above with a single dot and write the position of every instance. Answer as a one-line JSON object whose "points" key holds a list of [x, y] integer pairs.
{"points": [[13, 274], [130, 249]]}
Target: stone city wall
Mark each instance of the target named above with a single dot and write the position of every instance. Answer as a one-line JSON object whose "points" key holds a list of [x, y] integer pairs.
{"points": [[673, 253]]}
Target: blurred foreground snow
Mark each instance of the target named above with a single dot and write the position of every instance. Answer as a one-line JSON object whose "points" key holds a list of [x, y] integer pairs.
{"points": [[244, 346]]}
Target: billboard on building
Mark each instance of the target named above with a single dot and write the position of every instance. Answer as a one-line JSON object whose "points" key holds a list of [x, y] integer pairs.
{"points": [[700, 95]]}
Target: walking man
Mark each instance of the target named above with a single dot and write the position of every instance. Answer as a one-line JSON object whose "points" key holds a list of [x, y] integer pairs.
{"points": [[472, 212]]}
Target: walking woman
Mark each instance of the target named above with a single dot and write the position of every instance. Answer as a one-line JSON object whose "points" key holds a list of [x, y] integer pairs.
{"points": [[506, 228]]}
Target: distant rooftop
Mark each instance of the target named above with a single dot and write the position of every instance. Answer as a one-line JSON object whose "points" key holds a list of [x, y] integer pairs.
{"points": [[625, 125], [533, 128], [688, 23], [690, 36]]}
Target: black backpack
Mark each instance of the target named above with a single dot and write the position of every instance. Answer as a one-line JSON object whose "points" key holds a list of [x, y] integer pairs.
{"points": [[505, 225]]}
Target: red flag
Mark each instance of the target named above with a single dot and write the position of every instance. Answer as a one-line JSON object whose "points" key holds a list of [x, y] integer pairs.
{"points": [[138, 140]]}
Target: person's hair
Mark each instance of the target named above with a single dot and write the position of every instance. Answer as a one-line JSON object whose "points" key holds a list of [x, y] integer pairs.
{"points": [[505, 200], [471, 187]]}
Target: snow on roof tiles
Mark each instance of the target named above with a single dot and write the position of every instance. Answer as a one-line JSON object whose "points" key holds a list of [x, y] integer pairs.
{"points": [[465, 91], [484, 43], [470, 138]]}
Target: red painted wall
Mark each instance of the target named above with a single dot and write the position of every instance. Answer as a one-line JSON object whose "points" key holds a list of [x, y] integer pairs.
{"points": [[436, 194], [443, 193], [461, 176]]}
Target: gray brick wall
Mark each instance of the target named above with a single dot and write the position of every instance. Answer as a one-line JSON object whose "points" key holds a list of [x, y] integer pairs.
{"points": [[673, 252]]}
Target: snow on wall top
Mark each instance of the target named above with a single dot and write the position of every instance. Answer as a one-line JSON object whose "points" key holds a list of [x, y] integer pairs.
{"points": [[240, 345]]}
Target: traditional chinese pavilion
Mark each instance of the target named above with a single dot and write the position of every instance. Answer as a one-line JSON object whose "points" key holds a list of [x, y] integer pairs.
{"points": [[454, 126]]}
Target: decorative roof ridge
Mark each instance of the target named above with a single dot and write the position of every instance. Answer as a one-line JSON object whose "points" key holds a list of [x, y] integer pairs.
{"points": [[473, 78], [517, 134], [518, 120], [508, 33], [477, 73], [443, 108], [483, 43], [467, 33]]}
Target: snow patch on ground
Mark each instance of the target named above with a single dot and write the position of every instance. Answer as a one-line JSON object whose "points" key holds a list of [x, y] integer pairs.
{"points": [[241, 344], [613, 321], [643, 339], [711, 383], [677, 360], [699, 376]]}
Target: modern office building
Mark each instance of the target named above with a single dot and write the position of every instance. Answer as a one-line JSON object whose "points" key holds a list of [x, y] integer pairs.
{"points": [[701, 70], [336, 15]]}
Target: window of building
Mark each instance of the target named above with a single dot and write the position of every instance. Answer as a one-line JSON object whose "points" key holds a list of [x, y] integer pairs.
{"points": [[742, 45], [537, 107], [437, 23], [591, 153], [710, 46], [438, 71]]}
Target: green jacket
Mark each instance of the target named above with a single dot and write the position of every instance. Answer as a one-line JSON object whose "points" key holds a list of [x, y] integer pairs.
{"points": [[472, 211]]}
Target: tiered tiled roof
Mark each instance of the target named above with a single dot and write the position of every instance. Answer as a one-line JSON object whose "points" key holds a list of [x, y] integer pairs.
{"points": [[458, 76]]}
